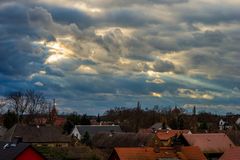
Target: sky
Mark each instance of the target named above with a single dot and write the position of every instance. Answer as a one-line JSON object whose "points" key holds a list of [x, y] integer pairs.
{"points": [[93, 55]]}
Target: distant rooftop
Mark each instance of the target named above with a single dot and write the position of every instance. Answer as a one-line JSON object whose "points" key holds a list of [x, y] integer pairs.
{"points": [[94, 129], [35, 134], [210, 142]]}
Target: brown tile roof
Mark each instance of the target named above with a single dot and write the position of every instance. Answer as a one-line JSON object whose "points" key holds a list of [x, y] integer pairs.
{"points": [[145, 153], [34, 134], [121, 139], [209, 142], [148, 153], [193, 153], [166, 135], [231, 154]]}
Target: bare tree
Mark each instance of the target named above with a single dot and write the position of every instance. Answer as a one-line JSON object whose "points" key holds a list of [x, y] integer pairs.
{"points": [[28, 102], [2, 104], [37, 104], [19, 103]]}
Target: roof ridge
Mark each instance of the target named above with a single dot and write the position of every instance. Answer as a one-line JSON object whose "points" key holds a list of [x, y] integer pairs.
{"points": [[14, 128]]}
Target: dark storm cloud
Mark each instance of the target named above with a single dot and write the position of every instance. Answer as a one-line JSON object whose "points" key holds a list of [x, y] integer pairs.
{"points": [[164, 66], [181, 50], [127, 17], [212, 14], [124, 3], [18, 58], [203, 39], [67, 15]]}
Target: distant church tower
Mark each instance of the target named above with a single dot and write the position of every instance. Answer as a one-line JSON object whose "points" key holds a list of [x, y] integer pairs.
{"points": [[53, 113], [193, 122], [138, 105], [194, 110]]}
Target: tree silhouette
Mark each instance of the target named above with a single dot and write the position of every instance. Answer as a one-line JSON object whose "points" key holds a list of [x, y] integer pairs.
{"points": [[10, 118], [86, 139]]}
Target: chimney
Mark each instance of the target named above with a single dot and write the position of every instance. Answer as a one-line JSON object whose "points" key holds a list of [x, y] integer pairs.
{"points": [[16, 140]]}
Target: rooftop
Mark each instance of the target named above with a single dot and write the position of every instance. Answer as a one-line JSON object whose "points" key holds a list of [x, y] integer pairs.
{"points": [[94, 129], [168, 153], [209, 142], [231, 154], [9, 151], [36, 134], [167, 134]]}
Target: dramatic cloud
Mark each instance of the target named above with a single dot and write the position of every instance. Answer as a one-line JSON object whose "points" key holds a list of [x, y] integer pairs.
{"points": [[95, 54]]}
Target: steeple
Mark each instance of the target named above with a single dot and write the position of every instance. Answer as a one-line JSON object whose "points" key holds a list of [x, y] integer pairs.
{"points": [[54, 110], [138, 105], [194, 110]]}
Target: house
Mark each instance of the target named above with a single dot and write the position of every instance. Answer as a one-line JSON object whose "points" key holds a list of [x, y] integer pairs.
{"points": [[231, 154], [213, 145], [19, 151], [121, 139], [159, 126], [52, 118], [2, 131], [223, 125], [167, 137], [192, 153], [162, 153], [80, 130], [37, 135], [238, 122], [59, 121]]}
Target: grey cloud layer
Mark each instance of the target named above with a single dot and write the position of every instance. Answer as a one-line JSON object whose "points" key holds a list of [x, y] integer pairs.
{"points": [[124, 52]]}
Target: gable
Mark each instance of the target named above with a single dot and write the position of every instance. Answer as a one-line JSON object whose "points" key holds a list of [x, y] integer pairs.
{"points": [[30, 153]]}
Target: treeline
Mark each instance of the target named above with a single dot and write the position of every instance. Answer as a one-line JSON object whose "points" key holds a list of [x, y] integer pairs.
{"points": [[134, 119], [75, 119], [24, 106]]}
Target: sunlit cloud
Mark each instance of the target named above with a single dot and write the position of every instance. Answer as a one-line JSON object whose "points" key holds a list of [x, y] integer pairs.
{"points": [[86, 70], [161, 52], [155, 94], [40, 84], [156, 81], [54, 58], [195, 94]]}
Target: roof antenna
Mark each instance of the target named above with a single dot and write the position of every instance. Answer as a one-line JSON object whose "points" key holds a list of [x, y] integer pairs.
{"points": [[6, 146]]}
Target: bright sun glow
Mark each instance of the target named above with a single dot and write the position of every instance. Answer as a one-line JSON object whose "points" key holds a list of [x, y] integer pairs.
{"points": [[54, 58], [57, 50], [103, 31], [155, 94], [57, 47]]}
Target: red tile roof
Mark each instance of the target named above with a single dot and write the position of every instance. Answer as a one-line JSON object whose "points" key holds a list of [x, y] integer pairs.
{"points": [[193, 153], [148, 153], [231, 154], [210, 142], [144, 153], [59, 121], [166, 135]]}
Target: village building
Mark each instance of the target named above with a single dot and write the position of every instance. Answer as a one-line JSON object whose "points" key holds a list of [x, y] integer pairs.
{"points": [[52, 118], [231, 154], [3, 130], [80, 130], [168, 137], [19, 151], [223, 125], [238, 122], [213, 145], [121, 139], [162, 153], [159, 126], [37, 135]]}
